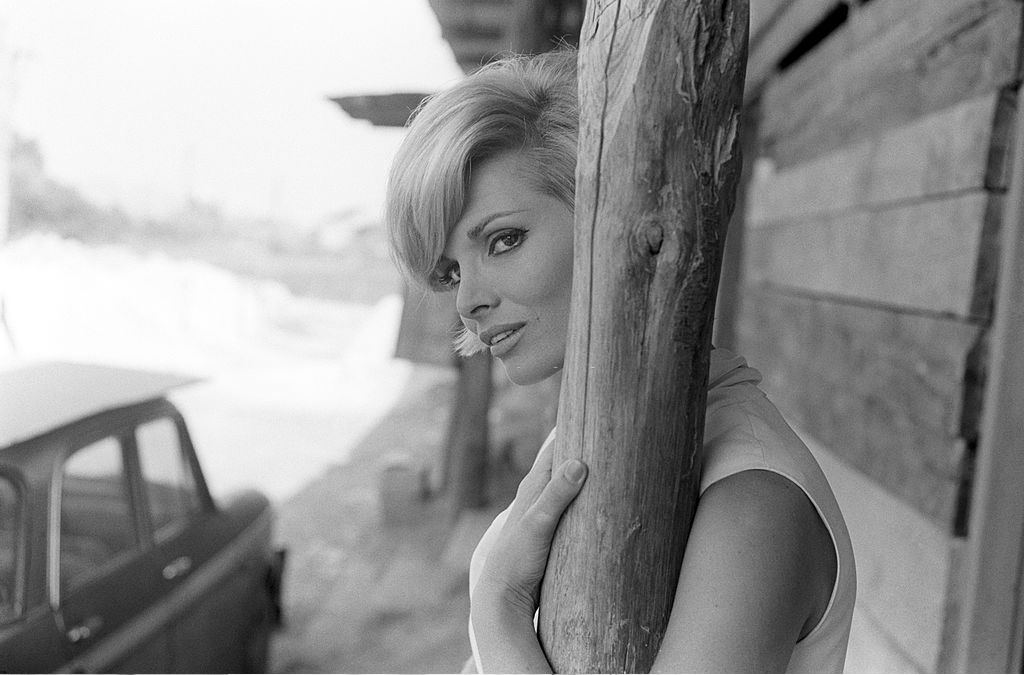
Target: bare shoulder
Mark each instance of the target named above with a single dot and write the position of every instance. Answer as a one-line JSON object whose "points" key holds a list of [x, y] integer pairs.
{"points": [[773, 520], [764, 502], [756, 577]]}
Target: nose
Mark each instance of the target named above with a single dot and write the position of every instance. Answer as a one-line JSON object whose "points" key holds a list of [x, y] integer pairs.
{"points": [[474, 297]]}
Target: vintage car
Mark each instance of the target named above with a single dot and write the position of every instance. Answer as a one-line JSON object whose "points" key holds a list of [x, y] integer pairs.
{"points": [[113, 555]]}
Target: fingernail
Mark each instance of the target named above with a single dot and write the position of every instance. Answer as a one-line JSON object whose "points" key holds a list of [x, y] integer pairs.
{"points": [[575, 470]]}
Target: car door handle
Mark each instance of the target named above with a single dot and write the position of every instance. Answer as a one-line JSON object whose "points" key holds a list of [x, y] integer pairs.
{"points": [[85, 630], [177, 567]]}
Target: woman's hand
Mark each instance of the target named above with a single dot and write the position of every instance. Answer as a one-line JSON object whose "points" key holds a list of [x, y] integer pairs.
{"points": [[507, 593], [516, 563]]}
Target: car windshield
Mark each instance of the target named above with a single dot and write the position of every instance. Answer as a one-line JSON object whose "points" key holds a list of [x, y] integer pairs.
{"points": [[10, 535]]}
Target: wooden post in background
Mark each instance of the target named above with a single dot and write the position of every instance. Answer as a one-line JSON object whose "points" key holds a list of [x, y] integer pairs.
{"points": [[466, 455], [661, 89], [528, 29]]}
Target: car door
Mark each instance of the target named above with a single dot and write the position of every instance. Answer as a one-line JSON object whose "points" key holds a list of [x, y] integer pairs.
{"points": [[30, 641], [212, 601], [106, 576]]}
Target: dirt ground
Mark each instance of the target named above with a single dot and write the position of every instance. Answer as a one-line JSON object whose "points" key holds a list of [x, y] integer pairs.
{"points": [[370, 592]]}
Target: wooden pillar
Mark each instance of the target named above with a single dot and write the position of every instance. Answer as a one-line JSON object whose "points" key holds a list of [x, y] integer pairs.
{"points": [[661, 90], [466, 448], [529, 31], [989, 634]]}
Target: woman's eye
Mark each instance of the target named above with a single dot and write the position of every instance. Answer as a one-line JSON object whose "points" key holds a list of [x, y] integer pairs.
{"points": [[506, 241], [449, 278]]}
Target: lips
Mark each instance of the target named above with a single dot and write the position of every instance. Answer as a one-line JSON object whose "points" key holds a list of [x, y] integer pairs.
{"points": [[502, 338]]}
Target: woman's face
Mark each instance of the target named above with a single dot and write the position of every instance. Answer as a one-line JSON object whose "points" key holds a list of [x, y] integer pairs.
{"points": [[509, 259]]}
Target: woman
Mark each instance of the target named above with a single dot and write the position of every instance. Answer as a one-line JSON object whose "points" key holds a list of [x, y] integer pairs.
{"points": [[480, 203]]}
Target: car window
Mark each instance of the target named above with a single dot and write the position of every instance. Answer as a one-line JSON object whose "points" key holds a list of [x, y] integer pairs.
{"points": [[95, 511], [170, 486], [10, 536]]}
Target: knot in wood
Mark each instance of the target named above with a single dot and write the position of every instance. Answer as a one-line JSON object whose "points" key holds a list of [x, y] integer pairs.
{"points": [[653, 236]]}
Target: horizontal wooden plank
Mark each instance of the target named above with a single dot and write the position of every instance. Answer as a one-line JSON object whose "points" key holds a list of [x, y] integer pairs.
{"points": [[874, 74], [777, 33], [959, 148], [881, 389], [922, 257], [903, 564]]}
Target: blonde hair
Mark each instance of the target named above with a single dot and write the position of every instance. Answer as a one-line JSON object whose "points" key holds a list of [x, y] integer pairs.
{"points": [[518, 103]]}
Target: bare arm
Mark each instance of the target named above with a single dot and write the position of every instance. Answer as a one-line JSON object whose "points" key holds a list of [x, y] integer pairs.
{"points": [[756, 577]]}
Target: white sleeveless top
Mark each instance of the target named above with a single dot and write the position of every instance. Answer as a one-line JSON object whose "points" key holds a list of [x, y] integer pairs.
{"points": [[744, 431]]}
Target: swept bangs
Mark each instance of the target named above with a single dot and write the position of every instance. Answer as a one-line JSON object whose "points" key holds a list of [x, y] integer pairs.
{"points": [[518, 103]]}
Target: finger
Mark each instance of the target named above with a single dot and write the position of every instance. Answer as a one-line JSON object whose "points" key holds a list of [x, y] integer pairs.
{"points": [[565, 484], [536, 478], [545, 455]]}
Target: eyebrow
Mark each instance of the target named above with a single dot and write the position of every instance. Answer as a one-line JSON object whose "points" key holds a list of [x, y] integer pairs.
{"points": [[474, 232]]}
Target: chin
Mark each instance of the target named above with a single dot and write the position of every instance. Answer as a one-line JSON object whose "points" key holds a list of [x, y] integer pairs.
{"points": [[527, 374]]}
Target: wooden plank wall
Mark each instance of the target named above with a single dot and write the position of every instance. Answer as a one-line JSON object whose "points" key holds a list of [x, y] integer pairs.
{"points": [[870, 244]]}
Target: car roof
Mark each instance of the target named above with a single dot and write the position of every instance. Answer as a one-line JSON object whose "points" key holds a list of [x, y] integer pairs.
{"points": [[39, 397]]}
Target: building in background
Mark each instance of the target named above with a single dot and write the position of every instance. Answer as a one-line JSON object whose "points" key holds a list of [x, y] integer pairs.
{"points": [[879, 140]]}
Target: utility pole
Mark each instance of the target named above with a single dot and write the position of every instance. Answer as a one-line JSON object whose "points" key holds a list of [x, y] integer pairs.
{"points": [[661, 86]]}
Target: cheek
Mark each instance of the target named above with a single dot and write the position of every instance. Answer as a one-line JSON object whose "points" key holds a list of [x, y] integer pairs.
{"points": [[552, 308], [562, 290], [555, 285], [542, 282]]}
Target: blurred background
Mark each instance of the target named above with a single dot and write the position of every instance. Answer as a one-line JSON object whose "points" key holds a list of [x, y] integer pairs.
{"points": [[196, 187], [184, 196]]}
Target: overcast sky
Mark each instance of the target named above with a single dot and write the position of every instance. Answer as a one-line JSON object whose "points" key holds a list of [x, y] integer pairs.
{"points": [[145, 103]]}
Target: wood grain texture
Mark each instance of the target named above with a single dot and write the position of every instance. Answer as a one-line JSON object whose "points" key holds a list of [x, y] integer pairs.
{"points": [[882, 390], [660, 95], [962, 147], [932, 257], [892, 62]]}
